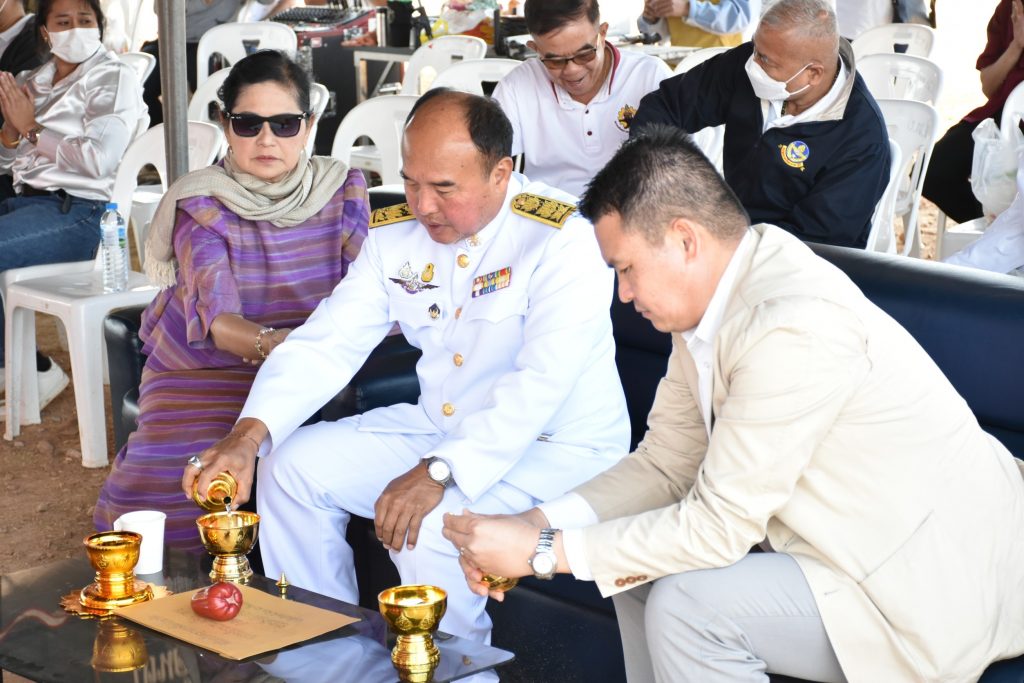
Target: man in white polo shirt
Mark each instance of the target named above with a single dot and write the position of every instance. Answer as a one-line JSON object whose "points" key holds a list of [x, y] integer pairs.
{"points": [[572, 106]]}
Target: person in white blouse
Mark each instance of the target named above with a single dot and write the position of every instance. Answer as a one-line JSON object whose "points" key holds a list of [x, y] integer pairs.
{"points": [[66, 127]]}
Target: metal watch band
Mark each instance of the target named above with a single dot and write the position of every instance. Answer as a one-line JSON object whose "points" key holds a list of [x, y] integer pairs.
{"points": [[443, 482], [545, 548]]}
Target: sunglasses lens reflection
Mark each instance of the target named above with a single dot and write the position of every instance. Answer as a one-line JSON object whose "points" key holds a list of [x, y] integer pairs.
{"points": [[250, 125]]}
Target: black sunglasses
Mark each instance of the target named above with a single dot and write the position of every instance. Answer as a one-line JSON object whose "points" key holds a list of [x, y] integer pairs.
{"points": [[281, 125]]}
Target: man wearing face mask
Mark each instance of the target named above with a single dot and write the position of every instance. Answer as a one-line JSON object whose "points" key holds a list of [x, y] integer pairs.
{"points": [[806, 147]]}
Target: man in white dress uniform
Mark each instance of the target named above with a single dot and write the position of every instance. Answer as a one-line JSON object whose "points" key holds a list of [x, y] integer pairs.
{"points": [[501, 284]]}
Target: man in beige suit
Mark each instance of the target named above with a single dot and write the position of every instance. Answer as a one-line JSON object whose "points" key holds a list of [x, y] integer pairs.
{"points": [[794, 415]]}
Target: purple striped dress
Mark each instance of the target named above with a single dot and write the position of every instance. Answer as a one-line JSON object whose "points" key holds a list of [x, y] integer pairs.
{"points": [[191, 392]]}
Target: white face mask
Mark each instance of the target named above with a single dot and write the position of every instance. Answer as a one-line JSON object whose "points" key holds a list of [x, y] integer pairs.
{"points": [[75, 45], [766, 87]]}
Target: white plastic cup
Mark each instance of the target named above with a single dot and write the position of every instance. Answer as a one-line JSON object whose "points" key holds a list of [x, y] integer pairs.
{"points": [[149, 523]]}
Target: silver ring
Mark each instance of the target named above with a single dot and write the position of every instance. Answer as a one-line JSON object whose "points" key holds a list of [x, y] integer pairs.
{"points": [[195, 462]]}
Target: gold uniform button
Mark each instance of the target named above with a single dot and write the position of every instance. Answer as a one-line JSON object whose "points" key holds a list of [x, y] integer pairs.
{"points": [[458, 359], [642, 577], [448, 410], [630, 579], [458, 312], [620, 582], [462, 260]]}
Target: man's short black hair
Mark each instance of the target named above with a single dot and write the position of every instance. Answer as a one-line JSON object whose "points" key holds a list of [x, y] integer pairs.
{"points": [[659, 175], [545, 16], [489, 127]]}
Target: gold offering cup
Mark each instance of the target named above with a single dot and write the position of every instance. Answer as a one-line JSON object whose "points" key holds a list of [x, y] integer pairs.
{"points": [[114, 554], [413, 613], [118, 648], [229, 536]]}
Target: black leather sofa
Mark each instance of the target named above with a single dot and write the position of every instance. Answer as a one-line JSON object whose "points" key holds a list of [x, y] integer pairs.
{"points": [[971, 323]]}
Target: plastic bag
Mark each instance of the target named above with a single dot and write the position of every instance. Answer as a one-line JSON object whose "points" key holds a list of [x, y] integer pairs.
{"points": [[994, 167]]}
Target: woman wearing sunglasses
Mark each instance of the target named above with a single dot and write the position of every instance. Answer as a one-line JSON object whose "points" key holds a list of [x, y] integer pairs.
{"points": [[66, 125], [246, 249]]}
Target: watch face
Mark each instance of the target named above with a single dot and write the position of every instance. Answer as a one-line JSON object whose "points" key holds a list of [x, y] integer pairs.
{"points": [[439, 470], [543, 564]]}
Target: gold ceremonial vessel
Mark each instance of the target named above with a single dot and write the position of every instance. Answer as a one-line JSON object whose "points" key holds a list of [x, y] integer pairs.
{"points": [[114, 554], [229, 536], [219, 493], [413, 613], [118, 648], [499, 583]]}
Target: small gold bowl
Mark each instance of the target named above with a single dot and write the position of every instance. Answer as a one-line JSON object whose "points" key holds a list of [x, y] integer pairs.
{"points": [[413, 613], [229, 536], [113, 554]]}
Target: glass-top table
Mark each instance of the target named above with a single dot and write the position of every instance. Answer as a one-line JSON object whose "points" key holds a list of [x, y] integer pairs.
{"points": [[42, 642]]}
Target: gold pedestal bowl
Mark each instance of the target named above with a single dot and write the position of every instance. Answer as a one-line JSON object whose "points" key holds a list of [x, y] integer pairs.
{"points": [[413, 613], [114, 554], [229, 536]]}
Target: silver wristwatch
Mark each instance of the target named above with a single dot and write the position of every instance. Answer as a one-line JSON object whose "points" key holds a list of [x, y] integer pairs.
{"points": [[544, 561], [439, 471]]}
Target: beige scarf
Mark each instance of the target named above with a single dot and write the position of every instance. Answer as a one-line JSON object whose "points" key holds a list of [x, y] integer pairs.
{"points": [[288, 202]]}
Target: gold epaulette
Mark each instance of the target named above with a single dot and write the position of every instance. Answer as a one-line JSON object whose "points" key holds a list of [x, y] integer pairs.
{"points": [[390, 214], [544, 209]]}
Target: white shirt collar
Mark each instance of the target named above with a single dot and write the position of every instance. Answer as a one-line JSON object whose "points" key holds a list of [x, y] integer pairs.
{"points": [[10, 34], [700, 340], [707, 329], [771, 111]]}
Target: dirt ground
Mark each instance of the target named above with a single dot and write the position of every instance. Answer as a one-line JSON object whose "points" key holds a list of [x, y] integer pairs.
{"points": [[47, 497]]}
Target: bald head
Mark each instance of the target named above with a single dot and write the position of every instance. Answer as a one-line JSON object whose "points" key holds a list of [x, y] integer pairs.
{"points": [[447, 113], [810, 26]]}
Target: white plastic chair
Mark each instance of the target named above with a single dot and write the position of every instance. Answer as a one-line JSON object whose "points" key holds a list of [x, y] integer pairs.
{"points": [[914, 126], [142, 62], [962, 235], [919, 39], [206, 94], [698, 57], [436, 55], [381, 119], [128, 23], [81, 304], [882, 236], [235, 40], [1013, 110], [711, 140], [319, 98], [901, 77], [205, 142], [470, 76], [959, 236]]}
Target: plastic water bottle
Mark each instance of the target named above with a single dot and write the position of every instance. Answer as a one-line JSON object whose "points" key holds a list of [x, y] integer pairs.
{"points": [[115, 250]]}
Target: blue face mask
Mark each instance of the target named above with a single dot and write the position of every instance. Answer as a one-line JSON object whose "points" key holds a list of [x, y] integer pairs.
{"points": [[766, 87]]}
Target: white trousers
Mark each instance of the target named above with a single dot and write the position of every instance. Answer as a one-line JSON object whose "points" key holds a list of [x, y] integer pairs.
{"points": [[311, 484], [736, 623]]}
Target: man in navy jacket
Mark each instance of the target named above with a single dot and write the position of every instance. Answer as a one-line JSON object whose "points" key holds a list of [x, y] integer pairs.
{"points": [[806, 148]]}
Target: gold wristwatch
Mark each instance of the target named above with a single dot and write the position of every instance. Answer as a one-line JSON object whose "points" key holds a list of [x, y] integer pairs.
{"points": [[33, 134]]}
